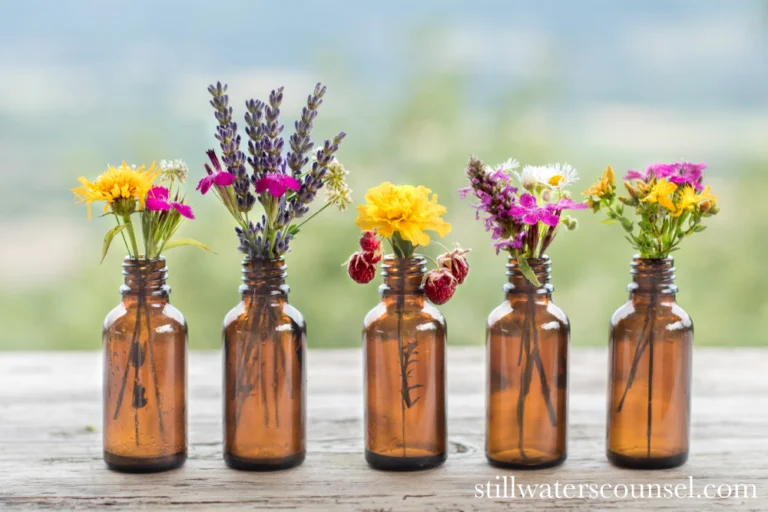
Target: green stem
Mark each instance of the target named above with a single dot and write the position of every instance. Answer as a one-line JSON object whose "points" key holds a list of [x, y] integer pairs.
{"points": [[326, 205], [125, 240], [132, 236]]}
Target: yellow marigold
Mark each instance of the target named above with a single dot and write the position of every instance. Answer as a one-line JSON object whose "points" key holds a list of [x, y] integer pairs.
{"points": [[404, 209], [117, 183], [605, 186]]}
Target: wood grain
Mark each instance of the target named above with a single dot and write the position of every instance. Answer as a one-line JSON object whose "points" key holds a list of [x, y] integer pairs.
{"points": [[50, 441]]}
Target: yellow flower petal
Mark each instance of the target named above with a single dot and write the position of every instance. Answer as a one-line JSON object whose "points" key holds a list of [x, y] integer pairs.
{"points": [[404, 209]]}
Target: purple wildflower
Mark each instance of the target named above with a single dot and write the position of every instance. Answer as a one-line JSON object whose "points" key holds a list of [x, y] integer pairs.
{"points": [[516, 242], [689, 174], [527, 212], [568, 204]]}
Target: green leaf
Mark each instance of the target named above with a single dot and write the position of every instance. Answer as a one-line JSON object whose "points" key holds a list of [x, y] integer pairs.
{"points": [[188, 241], [527, 271], [699, 228], [293, 230], [108, 239]]}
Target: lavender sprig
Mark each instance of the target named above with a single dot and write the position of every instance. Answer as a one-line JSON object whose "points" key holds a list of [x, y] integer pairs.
{"points": [[271, 237], [229, 140]]}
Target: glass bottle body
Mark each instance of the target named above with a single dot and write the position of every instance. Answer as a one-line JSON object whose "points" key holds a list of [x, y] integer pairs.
{"points": [[144, 342], [264, 344], [650, 353], [527, 340], [404, 340]]}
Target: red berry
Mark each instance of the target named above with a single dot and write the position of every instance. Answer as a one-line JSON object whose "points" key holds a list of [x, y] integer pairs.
{"points": [[456, 263], [369, 242], [440, 285], [359, 269], [372, 258]]}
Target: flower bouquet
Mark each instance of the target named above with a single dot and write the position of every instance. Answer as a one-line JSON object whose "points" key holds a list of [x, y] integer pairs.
{"points": [[403, 336], [651, 335], [264, 336], [523, 210], [144, 338]]}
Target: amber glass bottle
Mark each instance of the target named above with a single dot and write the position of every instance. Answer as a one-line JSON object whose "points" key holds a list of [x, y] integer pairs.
{"points": [[265, 341], [527, 384], [145, 374], [651, 344], [404, 355]]}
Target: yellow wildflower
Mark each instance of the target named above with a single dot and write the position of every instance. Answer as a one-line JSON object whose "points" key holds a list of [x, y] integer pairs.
{"points": [[605, 186], [689, 199], [660, 194], [117, 183], [404, 209]]}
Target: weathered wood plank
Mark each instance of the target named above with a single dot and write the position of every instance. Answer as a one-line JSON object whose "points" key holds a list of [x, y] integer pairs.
{"points": [[50, 441]]}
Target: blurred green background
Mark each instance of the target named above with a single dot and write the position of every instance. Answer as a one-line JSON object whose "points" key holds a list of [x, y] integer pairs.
{"points": [[417, 86]]}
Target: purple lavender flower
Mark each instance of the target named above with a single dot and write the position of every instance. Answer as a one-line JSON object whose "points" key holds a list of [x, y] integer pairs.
{"points": [[270, 177], [516, 242]]}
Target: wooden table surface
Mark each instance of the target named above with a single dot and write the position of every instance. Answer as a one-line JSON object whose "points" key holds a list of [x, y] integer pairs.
{"points": [[50, 441]]}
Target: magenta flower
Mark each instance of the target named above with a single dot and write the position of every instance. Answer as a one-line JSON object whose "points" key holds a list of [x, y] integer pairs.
{"points": [[277, 184], [216, 176], [157, 200], [657, 170], [527, 212], [687, 173], [568, 204]]}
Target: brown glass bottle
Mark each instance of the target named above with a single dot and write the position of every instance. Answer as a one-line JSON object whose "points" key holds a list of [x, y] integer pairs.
{"points": [[145, 374], [404, 341], [649, 380], [265, 341], [527, 384]]}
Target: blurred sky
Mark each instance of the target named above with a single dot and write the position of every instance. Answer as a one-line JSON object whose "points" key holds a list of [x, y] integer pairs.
{"points": [[83, 83]]}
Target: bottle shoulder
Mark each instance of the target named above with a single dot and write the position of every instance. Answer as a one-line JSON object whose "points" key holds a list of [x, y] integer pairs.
{"points": [[286, 314], [514, 311], [425, 313], [159, 313], [668, 312]]}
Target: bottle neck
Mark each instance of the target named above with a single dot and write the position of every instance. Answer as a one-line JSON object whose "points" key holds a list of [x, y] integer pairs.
{"points": [[264, 277], [652, 276], [403, 276], [145, 278], [519, 284]]}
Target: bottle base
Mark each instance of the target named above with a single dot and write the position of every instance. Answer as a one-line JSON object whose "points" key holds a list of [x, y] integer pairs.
{"points": [[529, 464], [245, 464], [144, 465], [387, 463], [625, 461]]}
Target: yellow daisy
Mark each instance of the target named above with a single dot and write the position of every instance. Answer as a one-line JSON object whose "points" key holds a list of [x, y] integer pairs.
{"points": [[660, 194], [123, 184], [404, 209], [689, 199]]}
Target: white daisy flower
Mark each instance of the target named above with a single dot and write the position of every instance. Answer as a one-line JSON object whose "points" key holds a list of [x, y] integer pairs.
{"points": [[552, 176]]}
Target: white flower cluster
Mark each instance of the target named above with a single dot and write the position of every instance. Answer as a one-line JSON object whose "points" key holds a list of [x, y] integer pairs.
{"points": [[337, 190], [174, 170]]}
